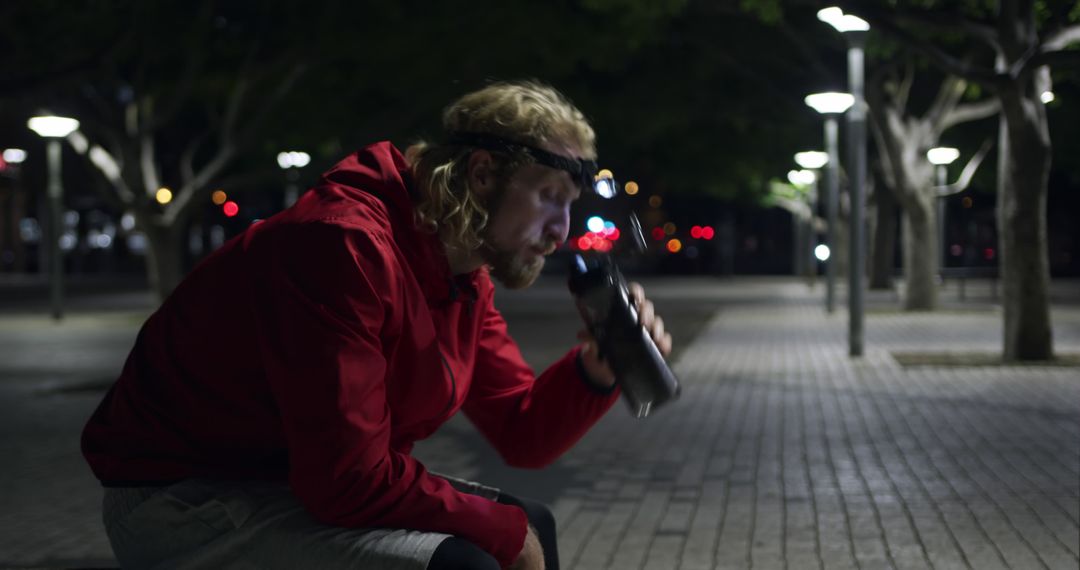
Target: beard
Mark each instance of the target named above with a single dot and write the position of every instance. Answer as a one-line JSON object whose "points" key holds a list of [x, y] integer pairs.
{"points": [[512, 268]]}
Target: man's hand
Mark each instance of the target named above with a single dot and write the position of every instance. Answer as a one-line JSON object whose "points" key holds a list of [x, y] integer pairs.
{"points": [[596, 367], [532, 554]]}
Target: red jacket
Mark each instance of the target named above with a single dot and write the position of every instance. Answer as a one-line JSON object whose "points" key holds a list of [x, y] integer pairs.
{"points": [[318, 346]]}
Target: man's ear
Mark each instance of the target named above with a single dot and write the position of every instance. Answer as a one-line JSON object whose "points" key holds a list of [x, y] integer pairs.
{"points": [[481, 172]]}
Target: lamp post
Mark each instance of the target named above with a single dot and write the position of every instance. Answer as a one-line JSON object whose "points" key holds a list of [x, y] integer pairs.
{"points": [[831, 105], [804, 229], [10, 163], [941, 157], [854, 30], [291, 162], [812, 160], [54, 128]]}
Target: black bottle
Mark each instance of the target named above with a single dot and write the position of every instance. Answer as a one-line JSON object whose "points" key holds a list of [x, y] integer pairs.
{"points": [[610, 315]]}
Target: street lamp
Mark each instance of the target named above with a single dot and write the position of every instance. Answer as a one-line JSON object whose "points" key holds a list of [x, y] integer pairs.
{"points": [[54, 129], [10, 161], [812, 160], [854, 30], [831, 105], [291, 162], [941, 157], [804, 228]]}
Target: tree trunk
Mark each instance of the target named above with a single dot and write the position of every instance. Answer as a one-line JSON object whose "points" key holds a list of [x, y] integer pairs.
{"points": [[1023, 171], [883, 244], [165, 259], [920, 265]]}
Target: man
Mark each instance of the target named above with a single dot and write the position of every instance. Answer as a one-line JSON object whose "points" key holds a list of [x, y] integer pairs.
{"points": [[265, 416]]}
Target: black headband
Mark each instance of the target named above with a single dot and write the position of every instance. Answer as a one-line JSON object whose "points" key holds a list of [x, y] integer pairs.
{"points": [[584, 171]]}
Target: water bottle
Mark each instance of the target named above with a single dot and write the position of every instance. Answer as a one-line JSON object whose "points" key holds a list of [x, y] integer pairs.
{"points": [[609, 313]]}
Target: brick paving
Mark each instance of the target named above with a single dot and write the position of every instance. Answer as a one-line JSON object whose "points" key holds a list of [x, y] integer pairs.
{"points": [[782, 453], [786, 453]]}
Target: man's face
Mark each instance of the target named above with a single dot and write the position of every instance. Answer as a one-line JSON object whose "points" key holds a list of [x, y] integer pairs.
{"points": [[530, 217]]}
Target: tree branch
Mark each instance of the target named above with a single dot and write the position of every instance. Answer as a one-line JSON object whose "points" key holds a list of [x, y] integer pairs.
{"points": [[187, 158], [952, 65], [969, 112], [147, 156], [967, 174], [948, 96], [185, 195], [1056, 59], [906, 83], [1061, 39], [280, 91]]}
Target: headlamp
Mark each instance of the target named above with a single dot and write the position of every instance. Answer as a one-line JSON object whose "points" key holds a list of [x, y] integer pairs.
{"points": [[581, 170]]}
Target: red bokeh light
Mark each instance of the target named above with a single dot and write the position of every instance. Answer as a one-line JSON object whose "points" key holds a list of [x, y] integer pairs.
{"points": [[695, 232], [230, 208], [658, 234], [707, 232], [988, 253]]}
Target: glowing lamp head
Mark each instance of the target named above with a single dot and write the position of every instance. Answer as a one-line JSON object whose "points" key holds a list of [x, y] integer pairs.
{"points": [[812, 159], [53, 127], [801, 177], [831, 102], [942, 155], [836, 18]]}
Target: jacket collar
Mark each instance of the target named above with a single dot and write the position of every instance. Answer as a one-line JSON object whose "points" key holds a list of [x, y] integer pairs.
{"points": [[380, 170]]}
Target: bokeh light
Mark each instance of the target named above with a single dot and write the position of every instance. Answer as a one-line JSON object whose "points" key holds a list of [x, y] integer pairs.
{"points": [[219, 197], [163, 196], [230, 208], [674, 245], [631, 188]]}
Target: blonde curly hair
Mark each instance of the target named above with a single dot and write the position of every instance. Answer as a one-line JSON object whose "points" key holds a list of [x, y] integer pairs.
{"points": [[525, 112]]}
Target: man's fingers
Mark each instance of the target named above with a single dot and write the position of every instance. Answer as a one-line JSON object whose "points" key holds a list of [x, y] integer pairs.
{"points": [[657, 330], [664, 344], [646, 314]]}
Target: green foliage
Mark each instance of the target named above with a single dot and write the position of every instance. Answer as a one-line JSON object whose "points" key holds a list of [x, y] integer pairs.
{"points": [[769, 11]]}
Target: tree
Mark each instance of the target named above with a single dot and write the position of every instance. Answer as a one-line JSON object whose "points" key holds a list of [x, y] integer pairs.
{"points": [[189, 97], [903, 139], [1025, 39]]}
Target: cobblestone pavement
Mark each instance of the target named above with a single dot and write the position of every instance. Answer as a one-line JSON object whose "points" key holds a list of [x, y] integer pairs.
{"points": [[782, 452], [785, 453]]}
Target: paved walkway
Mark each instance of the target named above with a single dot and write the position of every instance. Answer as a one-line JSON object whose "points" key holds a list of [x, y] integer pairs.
{"points": [[782, 453], [785, 453]]}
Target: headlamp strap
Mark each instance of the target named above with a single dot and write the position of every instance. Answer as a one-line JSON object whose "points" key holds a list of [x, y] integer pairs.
{"points": [[582, 170]]}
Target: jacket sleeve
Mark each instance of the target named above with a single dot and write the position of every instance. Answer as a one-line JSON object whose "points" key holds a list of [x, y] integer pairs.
{"points": [[322, 296], [530, 420]]}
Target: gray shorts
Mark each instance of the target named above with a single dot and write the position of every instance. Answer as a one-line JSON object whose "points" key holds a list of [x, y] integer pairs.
{"points": [[202, 523]]}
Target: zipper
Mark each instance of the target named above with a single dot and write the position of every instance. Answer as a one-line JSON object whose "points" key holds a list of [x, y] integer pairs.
{"points": [[453, 384]]}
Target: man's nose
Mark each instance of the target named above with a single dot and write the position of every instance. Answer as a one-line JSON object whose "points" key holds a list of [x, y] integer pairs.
{"points": [[559, 225]]}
